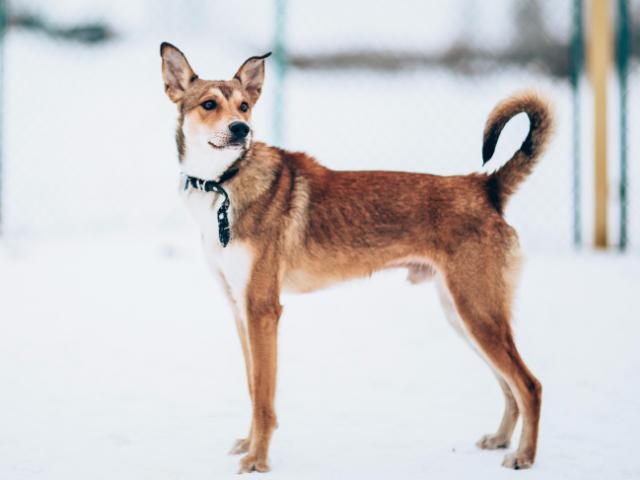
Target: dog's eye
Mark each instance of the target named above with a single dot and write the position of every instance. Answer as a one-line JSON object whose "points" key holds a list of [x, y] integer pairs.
{"points": [[244, 106], [209, 105]]}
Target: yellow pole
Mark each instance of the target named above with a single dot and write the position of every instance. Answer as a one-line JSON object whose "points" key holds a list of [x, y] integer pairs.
{"points": [[599, 58]]}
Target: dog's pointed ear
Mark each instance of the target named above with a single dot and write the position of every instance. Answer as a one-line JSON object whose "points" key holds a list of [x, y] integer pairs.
{"points": [[251, 76], [176, 72]]}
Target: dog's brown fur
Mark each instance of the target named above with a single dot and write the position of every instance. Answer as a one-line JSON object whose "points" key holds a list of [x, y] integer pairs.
{"points": [[308, 226]]}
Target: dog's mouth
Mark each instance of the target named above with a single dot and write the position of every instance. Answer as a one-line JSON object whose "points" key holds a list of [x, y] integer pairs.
{"points": [[230, 145]]}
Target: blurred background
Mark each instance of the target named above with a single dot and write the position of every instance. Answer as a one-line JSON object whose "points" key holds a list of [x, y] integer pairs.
{"points": [[85, 118], [118, 354]]}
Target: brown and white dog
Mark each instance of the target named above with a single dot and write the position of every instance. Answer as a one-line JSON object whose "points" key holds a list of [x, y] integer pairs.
{"points": [[297, 225]]}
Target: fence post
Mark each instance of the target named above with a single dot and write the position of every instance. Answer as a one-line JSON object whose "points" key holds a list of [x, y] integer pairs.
{"points": [[576, 71], [3, 23], [622, 62], [280, 57], [600, 41]]}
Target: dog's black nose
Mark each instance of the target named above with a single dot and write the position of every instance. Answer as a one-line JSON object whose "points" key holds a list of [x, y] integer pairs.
{"points": [[239, 130]]}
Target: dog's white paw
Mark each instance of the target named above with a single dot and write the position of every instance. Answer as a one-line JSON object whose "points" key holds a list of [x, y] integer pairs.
{"points": [[492, 442], [517, 461]]}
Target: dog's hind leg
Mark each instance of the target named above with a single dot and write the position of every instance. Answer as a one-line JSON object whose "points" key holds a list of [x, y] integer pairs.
{"points": [[482, 299], [502, 438]]}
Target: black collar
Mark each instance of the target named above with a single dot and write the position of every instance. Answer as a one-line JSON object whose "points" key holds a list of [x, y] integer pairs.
{"points": [[224, 231]]}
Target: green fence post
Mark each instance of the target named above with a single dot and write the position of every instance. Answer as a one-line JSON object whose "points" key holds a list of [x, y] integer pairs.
{"points": [[622, 62], [577, 56], [280, 57], [3, 23]]}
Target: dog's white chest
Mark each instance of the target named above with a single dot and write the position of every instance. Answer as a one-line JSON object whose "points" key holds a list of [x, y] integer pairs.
{"points": [[203, 208], [233, 262]]}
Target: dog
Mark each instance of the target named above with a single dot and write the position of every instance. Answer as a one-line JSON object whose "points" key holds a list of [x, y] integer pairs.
{"points": [[273, 220]]}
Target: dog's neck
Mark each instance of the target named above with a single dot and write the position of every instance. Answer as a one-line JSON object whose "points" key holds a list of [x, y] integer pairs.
{"points": [[256, 174], [246, 174]]}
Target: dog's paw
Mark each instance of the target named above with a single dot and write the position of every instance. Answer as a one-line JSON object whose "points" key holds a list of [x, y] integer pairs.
{"points": [[517, 461], [240, 446], [253, 463], [491, 442]]}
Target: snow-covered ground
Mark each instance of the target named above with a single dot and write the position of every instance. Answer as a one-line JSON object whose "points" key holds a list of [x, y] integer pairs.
{"points": [[119, 360]]}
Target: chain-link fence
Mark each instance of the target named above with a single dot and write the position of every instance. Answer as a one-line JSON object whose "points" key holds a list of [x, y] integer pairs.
{"points": [[627, 195], [88, 133]]}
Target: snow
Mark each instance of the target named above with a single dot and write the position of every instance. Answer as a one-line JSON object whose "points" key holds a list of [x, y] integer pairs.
{"points": [[119, 359]]}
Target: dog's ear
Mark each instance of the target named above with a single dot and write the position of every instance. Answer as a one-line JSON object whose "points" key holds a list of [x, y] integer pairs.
{"points": [[251, 76], [176, 72]]}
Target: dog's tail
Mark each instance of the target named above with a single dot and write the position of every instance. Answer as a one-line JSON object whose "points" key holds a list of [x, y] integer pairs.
{"points": [[502, 183]]}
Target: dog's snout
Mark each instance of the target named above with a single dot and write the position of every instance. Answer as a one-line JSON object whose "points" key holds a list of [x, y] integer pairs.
{"points": [[239, 130]]}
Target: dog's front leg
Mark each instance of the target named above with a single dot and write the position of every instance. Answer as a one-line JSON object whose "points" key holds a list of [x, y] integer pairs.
{"points": [[242, 444], [263, 309], [238, 302]]}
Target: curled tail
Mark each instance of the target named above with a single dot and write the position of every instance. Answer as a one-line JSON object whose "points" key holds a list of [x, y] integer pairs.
{"points": [[502, 183]]}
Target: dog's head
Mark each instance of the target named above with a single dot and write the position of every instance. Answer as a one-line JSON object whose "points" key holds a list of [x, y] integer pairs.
{"points": [[214, 122]]}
